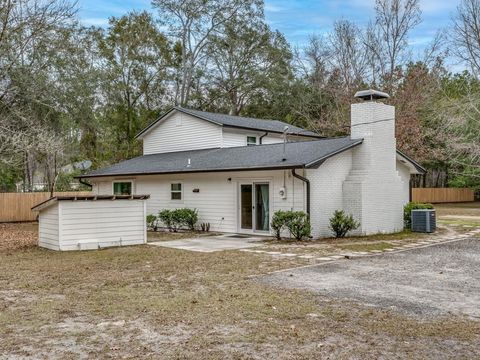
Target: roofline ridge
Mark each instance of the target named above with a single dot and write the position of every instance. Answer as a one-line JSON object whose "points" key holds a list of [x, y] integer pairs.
{"points": [[192, 112]]}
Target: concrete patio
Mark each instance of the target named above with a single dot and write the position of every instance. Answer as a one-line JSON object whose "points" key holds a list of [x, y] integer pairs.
{"points": [[209, 244]]}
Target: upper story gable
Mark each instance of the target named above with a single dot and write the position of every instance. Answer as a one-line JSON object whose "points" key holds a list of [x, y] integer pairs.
{"points": [[184, 129], [177, 131]]}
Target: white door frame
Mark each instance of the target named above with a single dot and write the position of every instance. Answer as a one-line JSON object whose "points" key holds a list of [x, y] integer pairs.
{"points": [[239, 205]]}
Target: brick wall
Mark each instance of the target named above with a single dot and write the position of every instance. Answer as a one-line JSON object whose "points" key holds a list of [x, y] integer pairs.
{"points": [[373, 191], [326, 191]]}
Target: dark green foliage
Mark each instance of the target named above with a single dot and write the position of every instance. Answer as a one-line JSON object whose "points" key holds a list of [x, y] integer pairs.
{"points": [[186, 217], [279, 222], [407, 211], [178, 218], [299, 225], [152, 222], [166, 218], [341, 223], [8, 176], [296, 222]]}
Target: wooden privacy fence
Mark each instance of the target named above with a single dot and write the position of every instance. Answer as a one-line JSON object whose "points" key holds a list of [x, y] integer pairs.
{"points": [[17, 206], [442, 195]]}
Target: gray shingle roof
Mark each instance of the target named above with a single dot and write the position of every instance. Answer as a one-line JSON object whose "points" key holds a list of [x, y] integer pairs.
{"points": [[298, 155], [275, 126]]}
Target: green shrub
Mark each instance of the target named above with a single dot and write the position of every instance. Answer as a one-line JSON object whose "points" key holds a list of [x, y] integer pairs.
{"points": [[296, 222], [341, 223], [279, 222], [166, 218], [407, 211], [299, 225], [186, 217], [152, 222], [175, 219]]}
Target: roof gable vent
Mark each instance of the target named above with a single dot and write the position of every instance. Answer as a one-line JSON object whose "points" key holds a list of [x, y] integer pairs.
{"points": [[370, 95]]}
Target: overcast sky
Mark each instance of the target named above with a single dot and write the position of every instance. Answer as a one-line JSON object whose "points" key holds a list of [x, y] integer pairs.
{"points": [[299, 18]]}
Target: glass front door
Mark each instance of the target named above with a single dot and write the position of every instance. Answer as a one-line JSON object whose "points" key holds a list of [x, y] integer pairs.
{"points": [[262, 207], [255, 207], [246, 206]]}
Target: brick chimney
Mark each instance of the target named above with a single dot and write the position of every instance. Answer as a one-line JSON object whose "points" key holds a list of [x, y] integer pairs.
{"points": [[375, 123], [372, 192]]}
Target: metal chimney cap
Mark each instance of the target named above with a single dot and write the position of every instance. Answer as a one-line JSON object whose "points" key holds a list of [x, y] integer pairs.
{"points": [[371, 95]]}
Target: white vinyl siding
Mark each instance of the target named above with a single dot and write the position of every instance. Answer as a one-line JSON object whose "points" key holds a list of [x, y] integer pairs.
{"points": [[48, 228], [74, 225], [404, 173], [181, 132], [272, 139], [237, 137], [217, 201]]}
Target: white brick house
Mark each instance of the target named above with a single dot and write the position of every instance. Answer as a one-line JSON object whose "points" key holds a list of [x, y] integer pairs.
{"points": [[238, 171]]}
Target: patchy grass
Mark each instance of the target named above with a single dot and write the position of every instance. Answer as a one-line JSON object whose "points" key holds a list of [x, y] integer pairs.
{"points": [[402, 235], [167, 235], [145, 302], [366, 247], [458, 209], [460, 222], [332, 246]]}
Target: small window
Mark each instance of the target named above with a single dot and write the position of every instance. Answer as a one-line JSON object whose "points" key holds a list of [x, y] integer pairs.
{"points": [[251, 140], [122, 188], [176, 191]]}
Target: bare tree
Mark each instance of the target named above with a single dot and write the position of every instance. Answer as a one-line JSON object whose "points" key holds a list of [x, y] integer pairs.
{"points": [[26, 25], [29, 34], [387, 38], [348, 53], [191, 23], [466, 34]]}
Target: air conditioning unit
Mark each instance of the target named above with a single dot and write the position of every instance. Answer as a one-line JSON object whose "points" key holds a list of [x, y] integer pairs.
{"points": [[424, 220]]}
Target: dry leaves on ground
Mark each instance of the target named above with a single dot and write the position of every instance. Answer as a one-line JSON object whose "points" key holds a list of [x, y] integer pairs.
{"points": [[15, 236]]}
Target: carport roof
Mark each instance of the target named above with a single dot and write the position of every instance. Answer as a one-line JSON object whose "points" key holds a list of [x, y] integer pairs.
{"points": [[55, 199], [302, 154]]}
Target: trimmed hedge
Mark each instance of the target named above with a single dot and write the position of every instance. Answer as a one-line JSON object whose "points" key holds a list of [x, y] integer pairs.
{"points": [[178, 218], [296, 222]]}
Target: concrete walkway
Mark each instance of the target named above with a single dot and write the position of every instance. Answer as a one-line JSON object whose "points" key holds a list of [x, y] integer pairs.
{"points": [[209, 244]]}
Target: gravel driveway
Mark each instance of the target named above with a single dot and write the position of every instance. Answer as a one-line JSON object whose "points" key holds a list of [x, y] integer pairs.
{"points": [[436, 280]]}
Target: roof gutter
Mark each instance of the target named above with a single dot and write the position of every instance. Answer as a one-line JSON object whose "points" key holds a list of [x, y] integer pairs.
{"points": [[286, 167], [307, 182], [261, 138], [83, 182]]}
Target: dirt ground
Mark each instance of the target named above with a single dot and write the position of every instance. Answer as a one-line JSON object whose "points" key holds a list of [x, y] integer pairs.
{"points": [[429, 281], [147, 302]]}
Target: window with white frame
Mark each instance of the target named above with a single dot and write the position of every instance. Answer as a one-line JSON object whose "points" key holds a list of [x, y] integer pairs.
{"points": [[176, 191], [122, 187], [251, 140]]}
